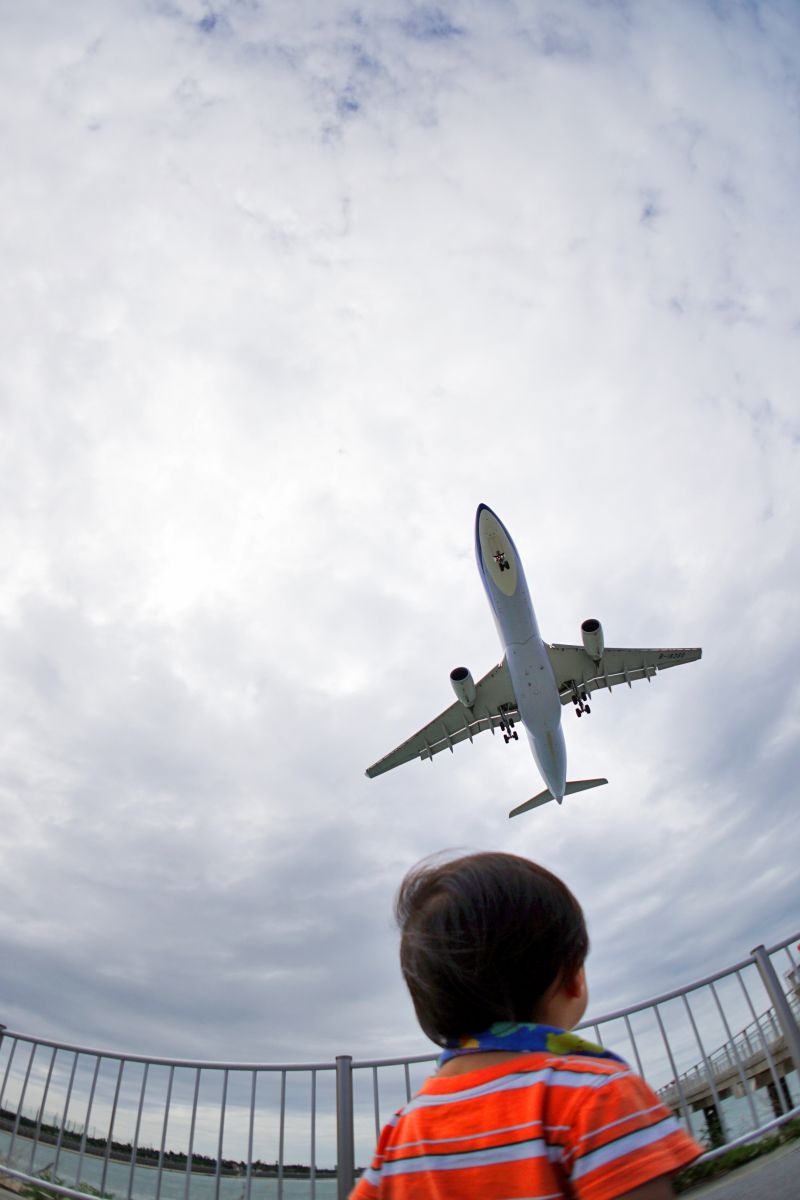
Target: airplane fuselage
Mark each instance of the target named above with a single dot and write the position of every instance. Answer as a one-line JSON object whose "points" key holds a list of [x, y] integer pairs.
{"points": [[527, 659]]}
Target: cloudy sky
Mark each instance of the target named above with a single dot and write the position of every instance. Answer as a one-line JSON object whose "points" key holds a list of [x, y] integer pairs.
{"points": [[287, 290]]}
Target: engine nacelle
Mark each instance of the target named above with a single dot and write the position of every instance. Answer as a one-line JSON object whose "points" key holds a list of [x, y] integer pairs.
{"points": [[463, 686], [592, 634]]}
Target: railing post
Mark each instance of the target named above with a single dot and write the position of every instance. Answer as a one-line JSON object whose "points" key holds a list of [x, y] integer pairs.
{"points": [[345, 1140], [783, 1012]]}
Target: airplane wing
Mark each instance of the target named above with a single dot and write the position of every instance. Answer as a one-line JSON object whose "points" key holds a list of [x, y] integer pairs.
{"points": [[493, 693], [576, 671]]}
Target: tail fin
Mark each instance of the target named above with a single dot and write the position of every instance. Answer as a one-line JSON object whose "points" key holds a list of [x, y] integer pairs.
{"points": [[578, 785]]}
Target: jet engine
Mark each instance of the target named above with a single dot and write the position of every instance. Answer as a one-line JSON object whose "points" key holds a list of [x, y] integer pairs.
{"points": [[592, 634], [463, 685]]}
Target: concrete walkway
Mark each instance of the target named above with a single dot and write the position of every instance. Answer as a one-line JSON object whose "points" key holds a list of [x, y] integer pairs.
{"points": [[776, 1176]]}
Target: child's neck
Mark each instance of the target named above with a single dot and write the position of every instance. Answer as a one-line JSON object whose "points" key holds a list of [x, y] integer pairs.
{"points": [[464, 1063]]}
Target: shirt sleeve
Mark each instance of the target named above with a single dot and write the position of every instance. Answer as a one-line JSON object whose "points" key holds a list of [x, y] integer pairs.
{"points": [[368, 1185], [364, 1190], [621, 1136]]}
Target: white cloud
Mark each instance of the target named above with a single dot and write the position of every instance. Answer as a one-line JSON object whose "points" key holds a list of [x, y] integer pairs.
{"points": [[287, 292]]}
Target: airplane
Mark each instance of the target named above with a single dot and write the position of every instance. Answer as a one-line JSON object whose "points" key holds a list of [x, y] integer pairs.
{"points": [[534, 679]]}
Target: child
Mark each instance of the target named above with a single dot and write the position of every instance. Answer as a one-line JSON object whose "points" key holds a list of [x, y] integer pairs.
{"points": [[493, 949]]}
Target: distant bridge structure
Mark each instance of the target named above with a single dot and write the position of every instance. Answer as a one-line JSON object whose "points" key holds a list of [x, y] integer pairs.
{"points": [[758, 1057]]}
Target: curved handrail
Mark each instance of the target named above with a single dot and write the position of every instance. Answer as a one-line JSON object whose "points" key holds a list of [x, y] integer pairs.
{"points": [[137, 1121]]}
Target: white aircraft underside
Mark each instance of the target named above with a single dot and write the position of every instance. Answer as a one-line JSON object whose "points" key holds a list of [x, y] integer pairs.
{"points": [[534, 679]]}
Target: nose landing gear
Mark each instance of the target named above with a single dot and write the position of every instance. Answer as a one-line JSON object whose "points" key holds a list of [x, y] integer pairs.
{"points": [[501, 561]]}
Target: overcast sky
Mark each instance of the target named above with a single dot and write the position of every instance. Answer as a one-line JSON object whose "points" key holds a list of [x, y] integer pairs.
{"points": [[288, 289]]}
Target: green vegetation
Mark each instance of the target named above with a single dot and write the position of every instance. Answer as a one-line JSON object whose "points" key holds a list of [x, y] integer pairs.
{"points": [[736, 1158], [32, 1192]]}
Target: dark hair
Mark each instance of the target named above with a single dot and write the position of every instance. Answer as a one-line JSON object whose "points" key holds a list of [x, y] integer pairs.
{"points": [[483, 938]]}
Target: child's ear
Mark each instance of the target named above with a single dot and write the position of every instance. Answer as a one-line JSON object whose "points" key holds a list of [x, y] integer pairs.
{"points": [[575, 987]]}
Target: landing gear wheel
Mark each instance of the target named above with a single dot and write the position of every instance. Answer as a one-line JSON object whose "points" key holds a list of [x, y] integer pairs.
{"points": [[586, 708], [515, 736], [584, 697], [579, 711]]}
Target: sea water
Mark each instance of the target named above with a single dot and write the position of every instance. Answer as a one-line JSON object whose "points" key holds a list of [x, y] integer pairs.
{"points": [[74, 1173]]}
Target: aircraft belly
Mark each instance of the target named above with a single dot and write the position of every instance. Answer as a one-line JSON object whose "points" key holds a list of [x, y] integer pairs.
{"points": [[539, 709], [550, 753], [534, 686]]}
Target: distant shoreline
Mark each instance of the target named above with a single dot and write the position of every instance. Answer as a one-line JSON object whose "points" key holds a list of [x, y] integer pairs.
{"points": [[147, 1158]]}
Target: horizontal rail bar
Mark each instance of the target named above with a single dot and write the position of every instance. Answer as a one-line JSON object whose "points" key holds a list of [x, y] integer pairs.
{"points": [[396, 1062], [45, 1184], [676, 993], [782, 944], [191, 1063], [749, 1137]]}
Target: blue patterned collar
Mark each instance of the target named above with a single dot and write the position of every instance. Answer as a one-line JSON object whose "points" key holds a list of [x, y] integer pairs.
{"points": [[523, 1038]]}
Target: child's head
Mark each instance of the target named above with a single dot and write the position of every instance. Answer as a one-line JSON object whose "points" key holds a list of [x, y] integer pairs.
{"points": [[484, 938]]}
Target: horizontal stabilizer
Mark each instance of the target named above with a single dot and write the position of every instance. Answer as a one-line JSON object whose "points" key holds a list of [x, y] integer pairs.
{"points": [[578, 785], [543, 798]]}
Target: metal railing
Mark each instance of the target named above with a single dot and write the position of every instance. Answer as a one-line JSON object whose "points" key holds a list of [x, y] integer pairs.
{"points": [[80, 1122]]}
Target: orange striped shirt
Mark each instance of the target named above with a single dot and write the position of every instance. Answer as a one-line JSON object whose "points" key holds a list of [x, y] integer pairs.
{"points": [[538, 1127]]}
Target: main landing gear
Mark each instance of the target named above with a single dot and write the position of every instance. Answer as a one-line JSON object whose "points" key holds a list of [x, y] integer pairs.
{"points": [[579, 700], [501, 561], [507, 726]]}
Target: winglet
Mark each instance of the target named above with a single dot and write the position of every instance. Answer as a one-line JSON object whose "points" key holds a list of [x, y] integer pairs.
{"points": [[578, 785]]}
